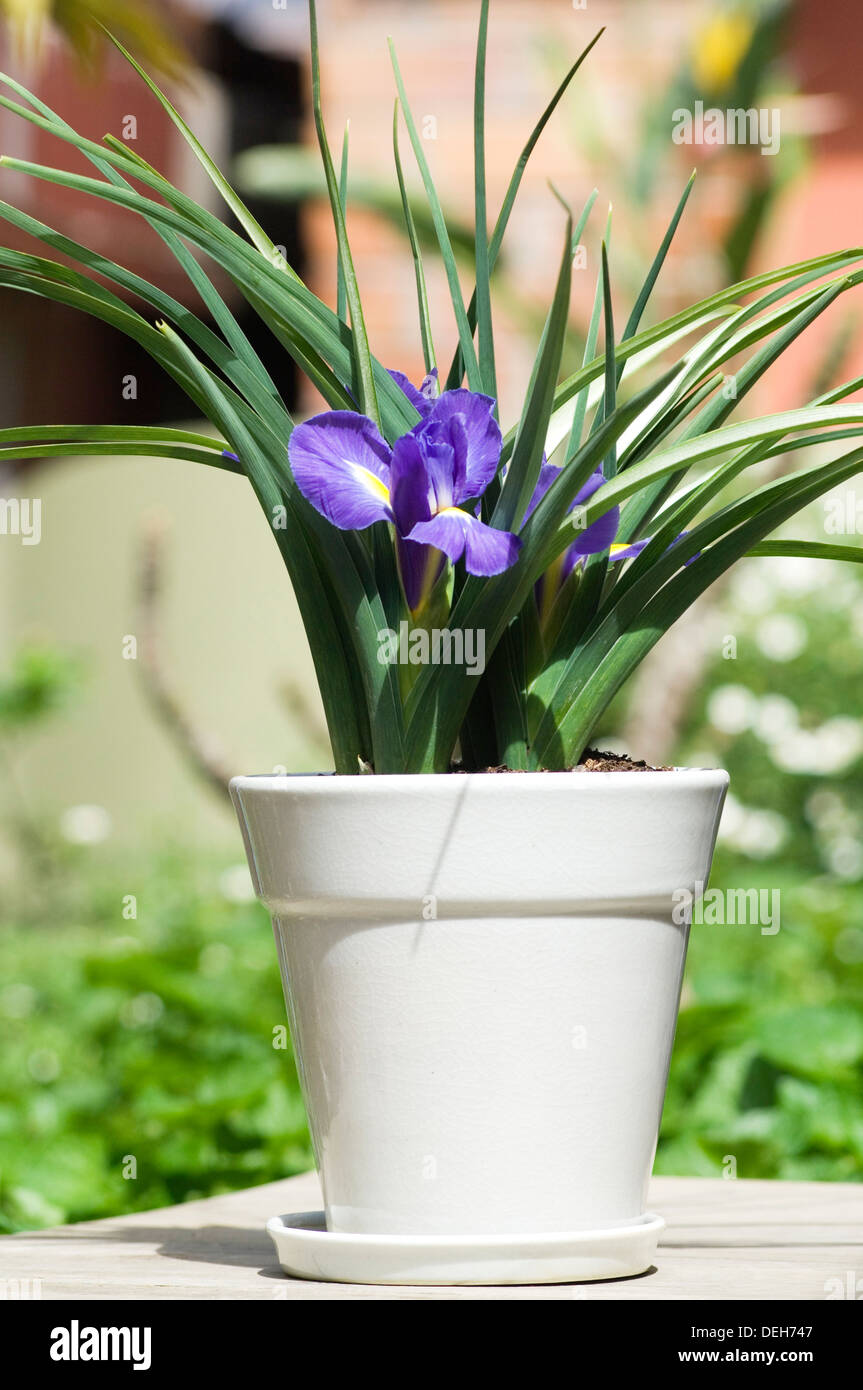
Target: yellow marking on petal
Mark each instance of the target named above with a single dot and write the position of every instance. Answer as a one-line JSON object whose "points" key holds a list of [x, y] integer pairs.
{"points": [[372, 481], [616, 549]]}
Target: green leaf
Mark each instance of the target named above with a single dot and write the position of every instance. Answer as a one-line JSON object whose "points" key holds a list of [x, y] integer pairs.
{"points": [[416, 251], [523, 473], [810, 550], [581, 400], [465, 333], [85, 435], [708, 446], [341, 289], [643, 505], [277, 297], [609, 466], [360, 618], [237, 366], [671, 329], [659, 260], [360, 339], [631, 627], [485, 331], [457, 369], [253, 229]]}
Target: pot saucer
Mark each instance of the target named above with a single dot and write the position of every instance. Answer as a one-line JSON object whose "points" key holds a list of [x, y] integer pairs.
{"points": [[307, 1250]]}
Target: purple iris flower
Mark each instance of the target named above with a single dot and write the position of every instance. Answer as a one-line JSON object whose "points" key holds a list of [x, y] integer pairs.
{"points": [[421, 398], [592, 540], [344, 467]]}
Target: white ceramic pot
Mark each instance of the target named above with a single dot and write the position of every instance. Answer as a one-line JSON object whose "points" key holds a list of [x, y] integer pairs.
{"points": [[482, 975]]}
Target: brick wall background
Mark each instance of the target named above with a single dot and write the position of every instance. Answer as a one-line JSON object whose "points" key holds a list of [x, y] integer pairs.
{"points": [[589, 142], [530, 47]]}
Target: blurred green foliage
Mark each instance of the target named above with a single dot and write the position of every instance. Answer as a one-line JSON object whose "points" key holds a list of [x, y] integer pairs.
{"points": [[153, 1038], [768, 1061], [148, 1038], [768, 1065], [39, 681]]}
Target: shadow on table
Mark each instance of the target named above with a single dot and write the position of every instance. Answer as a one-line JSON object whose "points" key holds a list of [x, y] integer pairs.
{"points": [[248, 1248]]}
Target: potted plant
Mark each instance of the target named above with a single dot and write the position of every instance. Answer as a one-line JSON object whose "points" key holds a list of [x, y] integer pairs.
{"points": [[477, 934]]}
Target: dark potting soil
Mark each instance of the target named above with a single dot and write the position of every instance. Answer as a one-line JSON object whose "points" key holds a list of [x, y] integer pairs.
{"points": [[592, 761]]}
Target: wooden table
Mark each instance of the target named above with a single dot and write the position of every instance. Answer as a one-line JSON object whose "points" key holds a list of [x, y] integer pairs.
{"points": [[738, 1239]]}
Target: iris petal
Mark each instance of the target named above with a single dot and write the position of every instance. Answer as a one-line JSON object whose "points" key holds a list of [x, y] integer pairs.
{"points": [[482, 432], [419, 399], [341, 465], [409, 480], [599, 535], [547, 474], [444, 447], [486, 551], [627, 552]]}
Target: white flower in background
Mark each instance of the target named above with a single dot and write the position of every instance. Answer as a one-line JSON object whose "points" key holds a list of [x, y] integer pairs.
{"points": [[17, 1001], [751, 589], [826, 810], [215, 959], [838, 833], [703, 757], [782, 636], [796, 752], [777, 718], [85, 825], [732, 818], [235, 884], [732, 709], [141, 1011], [848, 946], [841, 741], [831, 749], [756, 833], [845, 859], [792, 574], [763, 834], [43, 1065]]}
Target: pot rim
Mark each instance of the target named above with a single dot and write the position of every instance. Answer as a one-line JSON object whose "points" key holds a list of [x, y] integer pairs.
{"points": [[332, 783]]}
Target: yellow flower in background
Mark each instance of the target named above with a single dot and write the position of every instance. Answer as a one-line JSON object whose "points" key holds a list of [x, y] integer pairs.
{"points": [[719, 49], [134, 22], [25, 19]]}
